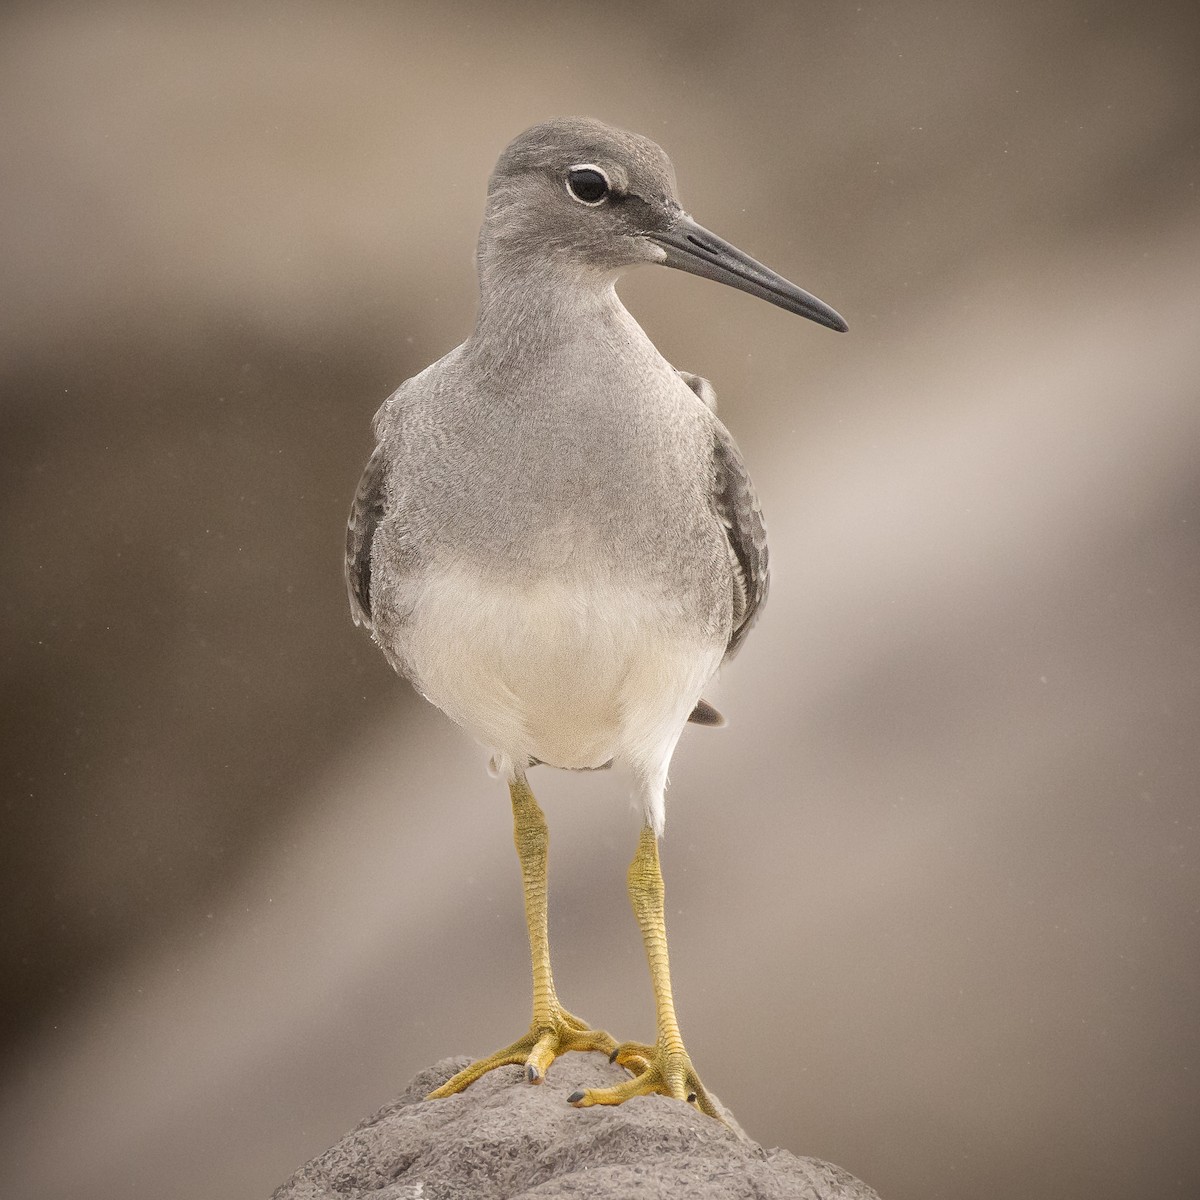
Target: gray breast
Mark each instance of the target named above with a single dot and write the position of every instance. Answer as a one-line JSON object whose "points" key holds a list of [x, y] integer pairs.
{"points": [[532, 477]]}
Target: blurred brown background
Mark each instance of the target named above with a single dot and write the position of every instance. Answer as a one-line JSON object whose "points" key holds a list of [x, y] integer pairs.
{"points": [[934, 895]]}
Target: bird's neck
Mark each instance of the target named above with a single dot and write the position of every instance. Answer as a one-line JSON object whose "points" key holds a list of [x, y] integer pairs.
{"points": [[535, 309]]}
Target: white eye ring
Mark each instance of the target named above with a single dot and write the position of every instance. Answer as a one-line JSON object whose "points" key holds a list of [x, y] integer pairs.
{"points": [[599, 171]]}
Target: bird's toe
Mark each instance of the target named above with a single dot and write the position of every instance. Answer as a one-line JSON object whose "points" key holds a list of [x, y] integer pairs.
{"points": [[656, 1071], [552, 1034]]}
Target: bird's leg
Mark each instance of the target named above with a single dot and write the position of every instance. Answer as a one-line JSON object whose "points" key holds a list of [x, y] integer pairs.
{"points": [[664, 1067], [553, 1030]]}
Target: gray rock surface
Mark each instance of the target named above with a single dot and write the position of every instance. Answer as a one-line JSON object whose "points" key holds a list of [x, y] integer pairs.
{"points": [[504, 1138]]}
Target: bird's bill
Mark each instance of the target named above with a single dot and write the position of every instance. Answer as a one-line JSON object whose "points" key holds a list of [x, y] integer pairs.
{"points": [[691, 247]]}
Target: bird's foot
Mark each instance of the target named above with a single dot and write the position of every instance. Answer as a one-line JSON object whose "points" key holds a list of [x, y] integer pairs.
{"points": [[660, 1069], [550, 1035]]}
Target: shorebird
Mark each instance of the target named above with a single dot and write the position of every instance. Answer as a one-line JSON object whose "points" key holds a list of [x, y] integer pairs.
{"points": [[556, 539]]}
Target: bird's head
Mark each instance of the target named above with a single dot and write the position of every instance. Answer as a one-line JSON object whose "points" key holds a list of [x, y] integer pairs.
{"points": [[575, 196]]}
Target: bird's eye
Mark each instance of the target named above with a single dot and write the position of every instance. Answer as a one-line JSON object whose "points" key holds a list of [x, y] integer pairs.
{"points": [[587, 184]]}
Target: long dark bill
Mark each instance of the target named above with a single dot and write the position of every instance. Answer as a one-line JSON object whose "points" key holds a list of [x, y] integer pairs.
{"points": [[691, 247]]}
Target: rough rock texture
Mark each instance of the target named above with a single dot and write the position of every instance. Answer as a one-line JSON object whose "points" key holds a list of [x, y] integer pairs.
{"points": [[504, 1138]]}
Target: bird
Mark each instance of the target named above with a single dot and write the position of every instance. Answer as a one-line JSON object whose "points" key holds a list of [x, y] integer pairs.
{"points": [[557, 541]]}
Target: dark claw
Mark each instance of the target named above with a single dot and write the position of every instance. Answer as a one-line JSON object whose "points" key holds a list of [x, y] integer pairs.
{"points": [[574, 1097], [613, 1056], [531, 1073], [691, 1097]]}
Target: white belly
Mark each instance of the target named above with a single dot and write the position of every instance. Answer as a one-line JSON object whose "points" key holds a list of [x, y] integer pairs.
{"points": [[572, 673]]}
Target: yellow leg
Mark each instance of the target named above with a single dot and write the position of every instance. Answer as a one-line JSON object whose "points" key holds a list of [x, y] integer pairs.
{"points": [[664, 1067], [553, 1030]]}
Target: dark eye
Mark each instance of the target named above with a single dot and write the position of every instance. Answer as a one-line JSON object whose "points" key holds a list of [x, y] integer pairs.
{"points": [[588, 185]]}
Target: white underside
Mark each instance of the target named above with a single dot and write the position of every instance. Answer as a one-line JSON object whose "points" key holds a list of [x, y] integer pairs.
{"points": [[568, 672]]}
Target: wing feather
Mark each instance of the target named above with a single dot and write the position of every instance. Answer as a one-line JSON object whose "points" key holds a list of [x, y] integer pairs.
{"points": [[365, 514], [738, 510]]}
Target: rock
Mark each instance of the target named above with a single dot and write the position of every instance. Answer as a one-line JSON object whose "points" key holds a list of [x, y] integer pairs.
{"points": [[505, 1138]]}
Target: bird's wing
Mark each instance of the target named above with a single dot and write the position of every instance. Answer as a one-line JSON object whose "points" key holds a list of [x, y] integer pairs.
{"points": [[365, 515], [737, 508]]}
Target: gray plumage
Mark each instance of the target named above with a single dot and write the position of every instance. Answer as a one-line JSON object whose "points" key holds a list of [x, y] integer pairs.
{"points": [[555, 538]]}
